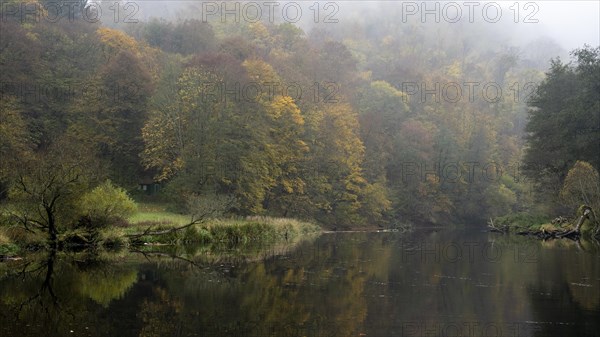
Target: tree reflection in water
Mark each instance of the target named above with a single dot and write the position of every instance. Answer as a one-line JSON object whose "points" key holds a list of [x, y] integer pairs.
{"points": [[378, 284]]}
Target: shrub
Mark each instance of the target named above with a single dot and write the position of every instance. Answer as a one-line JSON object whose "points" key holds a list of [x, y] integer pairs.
{"points": [[581, 186], [106, 203]]}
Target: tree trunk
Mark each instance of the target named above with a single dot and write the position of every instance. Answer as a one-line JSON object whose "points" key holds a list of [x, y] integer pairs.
{"points": [[582, 218], [52, 231]]}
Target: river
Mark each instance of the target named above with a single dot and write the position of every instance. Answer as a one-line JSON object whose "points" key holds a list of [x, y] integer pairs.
{"points": [[431, 282]]}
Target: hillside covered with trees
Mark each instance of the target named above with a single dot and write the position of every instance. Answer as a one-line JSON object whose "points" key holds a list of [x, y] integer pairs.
{"points": [[361, 123]]}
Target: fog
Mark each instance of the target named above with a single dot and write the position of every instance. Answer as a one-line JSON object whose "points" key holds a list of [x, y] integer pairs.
{"points": [[570, 24]]}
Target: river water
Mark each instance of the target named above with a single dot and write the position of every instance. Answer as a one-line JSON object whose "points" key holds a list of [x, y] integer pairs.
{"points": [[432, 282]]}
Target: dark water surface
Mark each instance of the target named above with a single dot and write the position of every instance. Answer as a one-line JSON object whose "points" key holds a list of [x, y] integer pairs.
{"points": [[427, 283]]}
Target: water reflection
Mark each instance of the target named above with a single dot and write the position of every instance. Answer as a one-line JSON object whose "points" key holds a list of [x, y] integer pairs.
{"points": [[429, 283]]}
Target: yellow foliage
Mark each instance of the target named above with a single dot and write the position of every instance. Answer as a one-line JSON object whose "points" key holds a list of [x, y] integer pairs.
{"points": [[117, 41], [259, 30], [454, 70], [285, 106], [261, 72]]}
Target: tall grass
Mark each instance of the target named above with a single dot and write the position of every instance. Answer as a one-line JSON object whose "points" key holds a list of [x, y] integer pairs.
{"points": [[521, 221], [227, 231], [250, 229]]}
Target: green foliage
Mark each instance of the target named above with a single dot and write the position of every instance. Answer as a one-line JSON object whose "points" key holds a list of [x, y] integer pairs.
{"points": [[23, 238], [208, 206], [110, 124], [375, 203], [106, 203], [382, 109], [518, 221], [112, 238], [501, 200], [14, 140], [563, 122], [154, 216], [7, 247], [48, 185], [184, 37]]}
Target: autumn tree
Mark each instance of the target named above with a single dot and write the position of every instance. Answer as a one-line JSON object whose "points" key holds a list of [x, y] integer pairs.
{"points": [[110, 116], [382, 109], [15, 141], [285, 146], [184, 37], [181, 124], [337, 184], [201, 142]]}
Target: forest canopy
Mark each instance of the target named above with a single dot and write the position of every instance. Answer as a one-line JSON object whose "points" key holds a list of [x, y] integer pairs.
{"points": [[349, 124]]}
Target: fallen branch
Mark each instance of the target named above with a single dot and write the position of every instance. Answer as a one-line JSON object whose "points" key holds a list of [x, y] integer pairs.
{"points": [[149, 232], [494, 228]]}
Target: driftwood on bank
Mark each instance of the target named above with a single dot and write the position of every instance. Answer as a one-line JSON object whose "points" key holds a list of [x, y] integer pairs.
{"points": [[545, 233], [497, 229], [573, 234], [559, 234]]}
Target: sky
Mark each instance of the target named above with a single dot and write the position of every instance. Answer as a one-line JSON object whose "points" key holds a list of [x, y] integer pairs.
{"points": [[571, 23]]}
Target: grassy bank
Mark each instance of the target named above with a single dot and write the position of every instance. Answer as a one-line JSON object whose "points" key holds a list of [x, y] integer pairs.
{"points": [[516, 222], [216, 234]]}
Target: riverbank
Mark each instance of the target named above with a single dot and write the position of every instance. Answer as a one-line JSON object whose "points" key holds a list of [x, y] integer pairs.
{"points": [[516, 222], [140, 230], [583, 223]]}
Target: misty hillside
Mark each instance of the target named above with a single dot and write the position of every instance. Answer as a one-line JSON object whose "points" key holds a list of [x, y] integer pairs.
{"points": [[350, 114]]}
